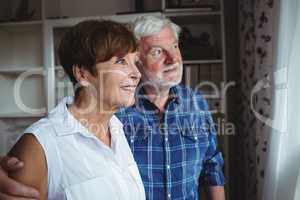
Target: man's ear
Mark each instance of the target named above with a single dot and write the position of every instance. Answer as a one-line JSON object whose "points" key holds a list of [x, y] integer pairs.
{"points": [[80, 74]]}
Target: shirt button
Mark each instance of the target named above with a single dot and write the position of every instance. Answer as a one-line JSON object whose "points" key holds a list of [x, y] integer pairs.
{"points": [[166, 139], [196, 138], [169, 196], [168, 166]]}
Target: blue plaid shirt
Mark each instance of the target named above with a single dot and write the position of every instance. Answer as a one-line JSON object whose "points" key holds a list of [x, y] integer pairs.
{"points": [[177, 150]]}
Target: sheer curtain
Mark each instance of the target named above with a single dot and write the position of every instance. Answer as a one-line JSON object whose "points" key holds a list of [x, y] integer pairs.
{"points": [[283, 166]]}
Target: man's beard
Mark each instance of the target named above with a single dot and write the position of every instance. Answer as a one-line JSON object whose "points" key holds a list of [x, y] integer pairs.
{"points": [[160, 81], [165, 83]]}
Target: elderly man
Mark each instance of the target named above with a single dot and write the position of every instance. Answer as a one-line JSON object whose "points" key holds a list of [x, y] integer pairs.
{"points": [[169, 129]]}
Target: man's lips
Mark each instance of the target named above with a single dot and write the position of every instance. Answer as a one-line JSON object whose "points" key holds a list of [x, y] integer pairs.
{"points": [[170, 69]]}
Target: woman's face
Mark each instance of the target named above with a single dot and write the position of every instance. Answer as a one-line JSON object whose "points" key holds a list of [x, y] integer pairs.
{"points": [[115, 82]]}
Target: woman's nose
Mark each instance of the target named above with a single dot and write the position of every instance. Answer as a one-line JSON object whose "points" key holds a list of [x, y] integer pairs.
{"points": [[135, 73]]}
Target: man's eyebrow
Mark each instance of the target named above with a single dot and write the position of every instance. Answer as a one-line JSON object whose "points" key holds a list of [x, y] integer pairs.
{"points": [[156, 46]]}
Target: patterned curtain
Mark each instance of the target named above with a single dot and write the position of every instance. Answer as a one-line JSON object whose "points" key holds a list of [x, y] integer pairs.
{"points": [[256, 63]]}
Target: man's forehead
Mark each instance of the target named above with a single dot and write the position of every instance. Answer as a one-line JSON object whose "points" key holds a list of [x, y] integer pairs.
{"points": [[166, 33], [152, 41]]}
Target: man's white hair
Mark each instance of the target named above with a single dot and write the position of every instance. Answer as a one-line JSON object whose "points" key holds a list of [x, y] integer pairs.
{"points": [[150, 25]]}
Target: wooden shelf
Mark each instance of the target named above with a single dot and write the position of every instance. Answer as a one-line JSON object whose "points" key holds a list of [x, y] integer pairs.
{"points": [[17, 71], [204, 9], [67, 22], [21, 115], [22, 23], [185, 18], [191, 13], [217, 61]]}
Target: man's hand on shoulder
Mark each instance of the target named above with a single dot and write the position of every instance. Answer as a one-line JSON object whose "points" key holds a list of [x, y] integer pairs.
{"points": [[10, 189], [10, 164]]}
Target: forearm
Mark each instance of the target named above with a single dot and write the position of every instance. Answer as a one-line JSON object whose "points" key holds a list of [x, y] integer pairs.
{"points": [[215, 193]]}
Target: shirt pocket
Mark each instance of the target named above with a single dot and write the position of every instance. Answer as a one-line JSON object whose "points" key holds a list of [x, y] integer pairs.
{"points": [[197, 136], [92, 189]]}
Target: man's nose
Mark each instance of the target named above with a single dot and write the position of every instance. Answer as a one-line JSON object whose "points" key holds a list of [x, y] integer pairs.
{"points": [[171, 57]]}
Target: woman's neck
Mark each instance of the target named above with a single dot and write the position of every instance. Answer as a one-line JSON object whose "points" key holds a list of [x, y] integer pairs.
{"points": [[87, 111]]}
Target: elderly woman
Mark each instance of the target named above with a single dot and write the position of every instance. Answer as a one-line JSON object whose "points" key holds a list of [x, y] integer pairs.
{"points": [[79, 151]]}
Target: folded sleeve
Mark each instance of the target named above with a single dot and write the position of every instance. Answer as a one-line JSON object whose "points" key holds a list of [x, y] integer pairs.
{"points": [[212, 172]]}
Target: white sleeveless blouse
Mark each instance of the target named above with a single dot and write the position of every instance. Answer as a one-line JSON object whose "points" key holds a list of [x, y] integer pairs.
{"points": [[80, 166]]}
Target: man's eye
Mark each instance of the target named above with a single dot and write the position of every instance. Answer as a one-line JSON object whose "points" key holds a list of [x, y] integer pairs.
{"points": [[156, 52], [120, 61], [175, 46]]}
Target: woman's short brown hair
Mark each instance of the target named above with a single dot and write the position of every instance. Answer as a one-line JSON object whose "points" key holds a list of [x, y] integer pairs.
{"points": [[92, 41]]}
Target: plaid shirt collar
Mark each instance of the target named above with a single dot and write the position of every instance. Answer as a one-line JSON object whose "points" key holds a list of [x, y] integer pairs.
{"points": [[143, 102]]}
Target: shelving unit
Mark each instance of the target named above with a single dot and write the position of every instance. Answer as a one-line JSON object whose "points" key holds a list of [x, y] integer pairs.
{"points": [[22, 75], [20, 54]]}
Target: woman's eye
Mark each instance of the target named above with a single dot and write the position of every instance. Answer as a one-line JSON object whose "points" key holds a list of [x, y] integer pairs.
{"points": [[120, 61]]}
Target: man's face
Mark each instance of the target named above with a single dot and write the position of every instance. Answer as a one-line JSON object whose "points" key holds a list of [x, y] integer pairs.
{"points": [[161, 59]]}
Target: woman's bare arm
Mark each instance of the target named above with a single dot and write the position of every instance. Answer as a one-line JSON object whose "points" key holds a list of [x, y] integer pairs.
{"points": [[34, 173]]}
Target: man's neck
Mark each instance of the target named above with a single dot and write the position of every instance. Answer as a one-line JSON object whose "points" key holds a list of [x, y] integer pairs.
{"points": [[158, 96]]}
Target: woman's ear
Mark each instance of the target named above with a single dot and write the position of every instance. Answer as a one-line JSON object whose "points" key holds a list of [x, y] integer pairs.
{"points": [[80, 74]]}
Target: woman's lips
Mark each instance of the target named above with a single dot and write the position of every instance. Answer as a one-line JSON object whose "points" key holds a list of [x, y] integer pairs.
{"points": [[129, 87]]}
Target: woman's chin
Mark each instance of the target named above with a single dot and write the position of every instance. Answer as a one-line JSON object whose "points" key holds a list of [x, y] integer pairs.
{"points": [[129, 102]]}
